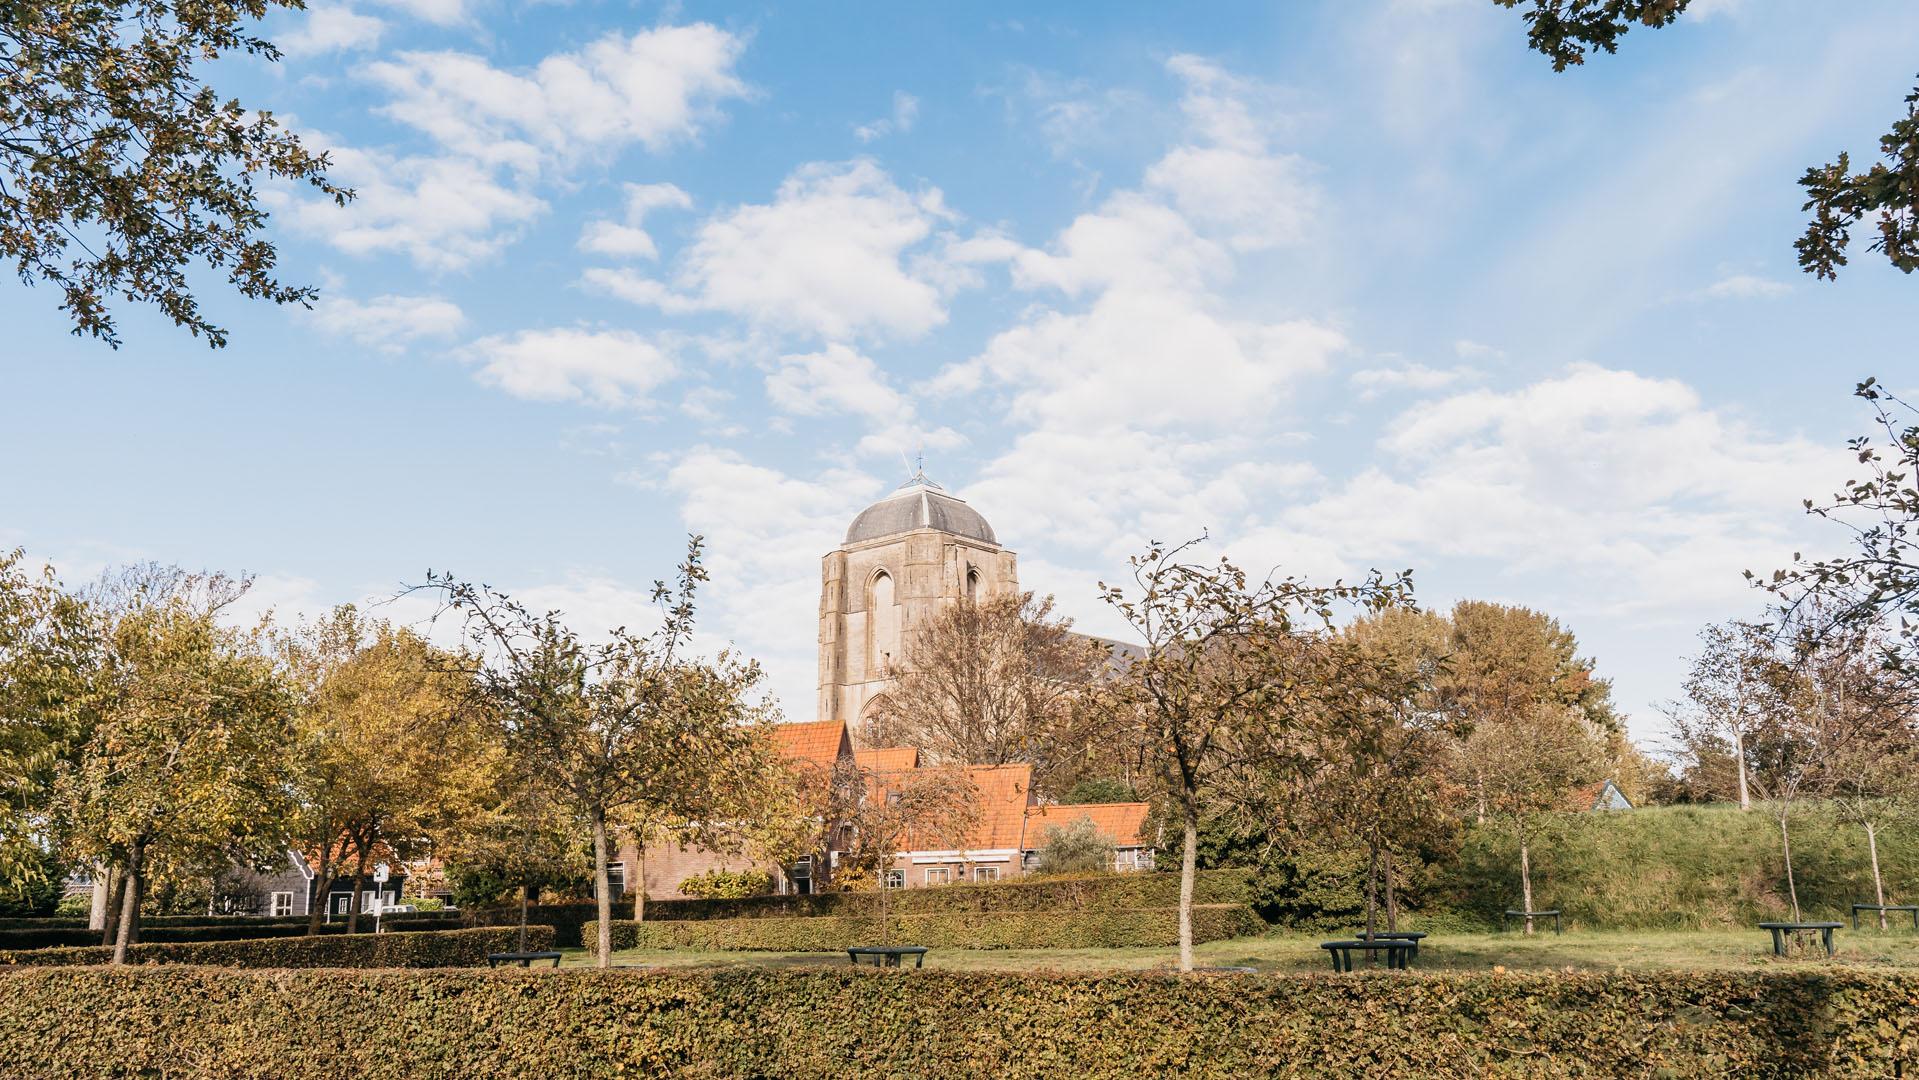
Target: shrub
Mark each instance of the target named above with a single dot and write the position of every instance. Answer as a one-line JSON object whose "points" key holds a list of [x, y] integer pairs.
{"points": [[949, 930], [1684, 867], [1097, 892], [1076, 848], [728, 884], [202, 1023], [51, 937], [79, 906], [444, 948]]}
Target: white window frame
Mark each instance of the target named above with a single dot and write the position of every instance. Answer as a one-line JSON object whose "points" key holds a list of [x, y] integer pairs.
{"points": [[280, 905], [945, 875], [616, 879], [894, 879], [985, 873], [343, 903]]}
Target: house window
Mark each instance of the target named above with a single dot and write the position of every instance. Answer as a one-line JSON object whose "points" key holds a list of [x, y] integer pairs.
{"points": [[986, 873], [802, 875], [282, 905], [342, 903], [616, 879], [895, 879], [938, 875]]}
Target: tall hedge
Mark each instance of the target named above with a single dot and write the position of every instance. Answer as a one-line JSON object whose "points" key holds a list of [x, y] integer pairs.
{"points": [[428, 948], [205, 1023], [951, 930], [1100, 892], [42, 939], [1685, 867]]}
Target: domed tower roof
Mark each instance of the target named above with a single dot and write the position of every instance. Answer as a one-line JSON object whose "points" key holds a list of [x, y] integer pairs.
{"points": [[919, 504]]}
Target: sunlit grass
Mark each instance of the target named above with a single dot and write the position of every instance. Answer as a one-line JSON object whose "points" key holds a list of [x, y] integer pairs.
{"points": [[1292, 952]]}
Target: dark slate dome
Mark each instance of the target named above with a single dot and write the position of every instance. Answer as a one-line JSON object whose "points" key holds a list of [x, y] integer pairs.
{"points": [[919, 504]]}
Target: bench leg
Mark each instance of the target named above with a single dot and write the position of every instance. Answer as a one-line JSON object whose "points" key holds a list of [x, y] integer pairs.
{"points": [[1826, 935]]}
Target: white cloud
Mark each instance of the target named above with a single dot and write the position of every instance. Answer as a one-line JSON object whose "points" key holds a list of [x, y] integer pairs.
{"points": [[442, 212], [832, 256], [629, 238], [439, 12], [841, 381], [1230, 178], [1743, 287], [906, 109], [1624, 487], [608, 368], [1373, 382], [332, 28], [655, 87], [766, 531], [388, 323]]}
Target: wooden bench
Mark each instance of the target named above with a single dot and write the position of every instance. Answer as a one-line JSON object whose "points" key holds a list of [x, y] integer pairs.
{"points": [[888, 955], [1882, 909], [524, 959], [1514, 913], [1397, 952], [1414, 936], [1781, 929]]}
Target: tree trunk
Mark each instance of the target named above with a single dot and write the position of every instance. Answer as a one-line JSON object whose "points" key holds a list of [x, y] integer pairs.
{"points": [[1739, 755], [1526, 882], [1785, 843], [359, 887], [323, 881], [1188, 872], [639, 880], [524, 890], [1392, 899], [1878, 883], [130, 907], [102, 915], [1372, 891], [602, 893]]}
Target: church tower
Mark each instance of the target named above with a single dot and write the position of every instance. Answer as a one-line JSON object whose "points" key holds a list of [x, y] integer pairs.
{"points": [[905, 558]]}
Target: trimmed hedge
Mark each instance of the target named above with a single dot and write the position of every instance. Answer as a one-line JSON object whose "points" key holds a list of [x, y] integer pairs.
{"points": [[949, 930], [427, 948], [1102, 892], [206, 1023], [45, 939]]}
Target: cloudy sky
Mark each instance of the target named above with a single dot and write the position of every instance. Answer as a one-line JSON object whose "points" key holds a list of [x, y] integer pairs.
{"points": [[1346, 284]]}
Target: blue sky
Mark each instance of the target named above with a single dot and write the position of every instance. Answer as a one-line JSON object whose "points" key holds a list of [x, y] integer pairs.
{"points": [[1349, 285]]}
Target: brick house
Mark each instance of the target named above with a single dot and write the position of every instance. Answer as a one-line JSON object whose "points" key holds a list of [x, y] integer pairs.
{"points": [[1010, 829], [820, 751]]}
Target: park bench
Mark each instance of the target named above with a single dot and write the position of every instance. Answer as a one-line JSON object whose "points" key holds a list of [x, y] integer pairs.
{"points": [[1781, 929], [1397, 951], [887, 955], [1883, 908], [524, 959], [1506, 919], [1414, 936]]}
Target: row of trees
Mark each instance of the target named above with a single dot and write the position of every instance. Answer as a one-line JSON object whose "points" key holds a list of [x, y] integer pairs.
{"points": [[146, 737]]}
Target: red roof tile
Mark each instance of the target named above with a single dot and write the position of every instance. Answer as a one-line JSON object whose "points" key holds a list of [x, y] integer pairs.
{"points": [[888, 759], [1124, 823], [821, 742]]}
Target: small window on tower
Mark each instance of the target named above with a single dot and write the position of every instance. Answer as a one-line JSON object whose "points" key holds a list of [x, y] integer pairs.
{"points": [[972, 585]]}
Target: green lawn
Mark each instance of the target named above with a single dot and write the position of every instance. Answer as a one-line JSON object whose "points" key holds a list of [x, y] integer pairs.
{"points": [[1582, 951]]}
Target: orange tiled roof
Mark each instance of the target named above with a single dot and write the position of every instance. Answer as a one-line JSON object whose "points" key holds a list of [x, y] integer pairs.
{"points": [[820, 741], [888, 759], [1123, 822], [1005, 791]]}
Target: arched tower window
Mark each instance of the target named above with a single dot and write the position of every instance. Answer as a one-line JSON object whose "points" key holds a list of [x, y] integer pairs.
{"points": [[972, 584], [882, 625]]}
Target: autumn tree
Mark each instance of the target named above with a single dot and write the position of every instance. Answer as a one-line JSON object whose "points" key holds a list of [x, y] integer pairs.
{"points": [[49, 650], [1567, 31], [386, 749], [185, 770], [898, 810], [1875, 586], [623, 732], [1216, 688], [995, 682], [122, 171]]}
